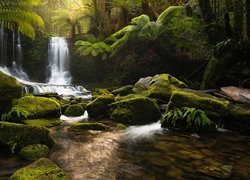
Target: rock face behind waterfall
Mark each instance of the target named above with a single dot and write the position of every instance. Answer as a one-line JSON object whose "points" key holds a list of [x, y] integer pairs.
{"points": [[10, 89], [160, 86]]}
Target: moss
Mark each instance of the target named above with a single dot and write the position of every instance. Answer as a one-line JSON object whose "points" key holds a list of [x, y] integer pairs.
{"points": [[34, 152], [37, 107], [99, 92], [99, 107], [160, 86], [74, 111], [10, 89], [135, 111], [42, 169], [18, 135], [89, 126], [120, 98], [123, 91], [43, 122], [120, 126], [214, 108]]}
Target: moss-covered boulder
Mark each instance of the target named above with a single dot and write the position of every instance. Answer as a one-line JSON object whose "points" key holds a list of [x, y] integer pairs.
{"points": [[99, 92], [120, 126], [123, 91], [16, 136], [214, 108], [36, 107], [99, 107], [160, 86], [74, 111], [43, 122], [89, 126], [10, 89], [41, 169], [135, 111], [239, 119], [34, 152]]}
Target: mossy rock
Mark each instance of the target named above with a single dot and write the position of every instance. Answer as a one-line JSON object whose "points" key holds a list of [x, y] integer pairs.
{"points": [[123, 91], [120, 98], [36, 107], [215, 108], [135, 111], [34, 152], [89, 126], [120, 126], [10, 89], [99, 92], [74, 111], [239, 119], [41, 169], [43, 122], [160, 86], [99, 107], [18, 136]]}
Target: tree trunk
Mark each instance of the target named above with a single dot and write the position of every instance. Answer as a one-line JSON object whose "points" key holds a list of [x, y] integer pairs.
{"points": [[248, 20], [148, 10], [238, 18], [228, 29], [73, 31], [206, 11]]}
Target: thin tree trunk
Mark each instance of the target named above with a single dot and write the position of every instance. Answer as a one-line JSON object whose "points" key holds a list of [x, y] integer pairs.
{"points": [[206, 11], [238, 18], [248, 20]]}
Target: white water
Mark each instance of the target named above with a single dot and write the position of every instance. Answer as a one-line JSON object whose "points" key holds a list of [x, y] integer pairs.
{"points": [[84, 117], [59, 61], [144, 132]]}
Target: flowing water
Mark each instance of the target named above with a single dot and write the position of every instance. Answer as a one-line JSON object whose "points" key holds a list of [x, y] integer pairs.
{"points": [[134, 154]]}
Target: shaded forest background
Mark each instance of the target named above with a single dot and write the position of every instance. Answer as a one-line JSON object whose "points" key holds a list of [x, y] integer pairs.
{"points": [[204, 43]]}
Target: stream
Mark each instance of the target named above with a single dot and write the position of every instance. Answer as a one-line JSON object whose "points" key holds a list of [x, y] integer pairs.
{"points": [[144, 152]]}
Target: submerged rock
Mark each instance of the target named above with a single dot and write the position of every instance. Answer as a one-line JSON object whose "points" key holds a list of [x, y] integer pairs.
{"points": [[99, 107], [34, 152], [41, 169], [89, 126], [214, 108], [36, 107], [135, 111], [17, 136], [43, 122], [74, 111], [160, 86], [10, 89], [123, 91]]}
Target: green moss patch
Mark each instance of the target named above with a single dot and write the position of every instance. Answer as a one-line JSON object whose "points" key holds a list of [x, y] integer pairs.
{"points": [[123, 91], [42, 169], [34, 152], [43, 122], [89, 126]]}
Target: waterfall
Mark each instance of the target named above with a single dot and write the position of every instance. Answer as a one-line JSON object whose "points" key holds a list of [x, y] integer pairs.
{"points": [[59, 61]]}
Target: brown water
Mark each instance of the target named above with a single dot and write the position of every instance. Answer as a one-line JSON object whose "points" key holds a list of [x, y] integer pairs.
{"points": [[131, 155]]}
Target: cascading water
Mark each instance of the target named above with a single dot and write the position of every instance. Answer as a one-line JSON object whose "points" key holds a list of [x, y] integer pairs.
{"points": [[59, 61]]}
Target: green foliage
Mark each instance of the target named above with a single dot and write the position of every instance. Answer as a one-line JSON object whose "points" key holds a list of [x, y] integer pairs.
{"points": [[20, 13], [190, 119], [15, 113]]}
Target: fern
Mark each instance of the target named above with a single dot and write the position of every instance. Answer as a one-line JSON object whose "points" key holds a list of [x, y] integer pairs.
{"points": [[15, 113]]}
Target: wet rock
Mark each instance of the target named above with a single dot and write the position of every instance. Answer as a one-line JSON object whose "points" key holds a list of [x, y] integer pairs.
{"points": [[74, 111], [135, 111], [17, 136], [89, 126], [159, 87], [120, 126], [99, 107], [43, 122], [35, 107], [41, 169], [10, 89], [34, 152], [123, 91], [214, 108]]}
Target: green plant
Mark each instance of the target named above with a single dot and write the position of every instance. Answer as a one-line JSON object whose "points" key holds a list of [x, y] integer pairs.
{"points": [[15, 113], [190, 119]]}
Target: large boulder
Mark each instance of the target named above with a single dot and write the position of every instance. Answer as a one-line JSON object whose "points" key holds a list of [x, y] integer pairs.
{"points": [[99, 107], [16, 136], [160, 86], [214, 108], [137, 110], [74, 111], [10, 89], [36, 107], [40, 169], [34, 152]]}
